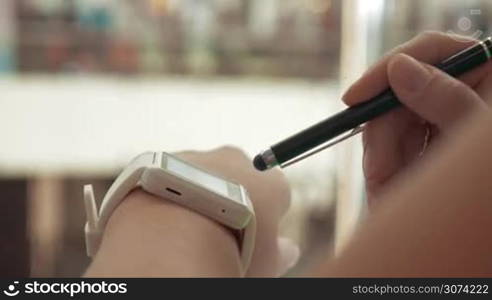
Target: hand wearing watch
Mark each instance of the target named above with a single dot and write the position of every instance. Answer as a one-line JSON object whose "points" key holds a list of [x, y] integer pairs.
{"points": [[168, 177]]}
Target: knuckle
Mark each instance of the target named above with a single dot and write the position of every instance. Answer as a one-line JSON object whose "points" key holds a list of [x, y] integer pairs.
{"points": [[232, 150], [421, 39], [461, 38], [397, 50], [438, 84], [447, 84], [436, 79], [463, 91], [447, 88], [429, 35], [456, 85]]}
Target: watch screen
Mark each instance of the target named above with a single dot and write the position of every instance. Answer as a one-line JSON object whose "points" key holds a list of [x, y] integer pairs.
{"points": [[198, 176]]}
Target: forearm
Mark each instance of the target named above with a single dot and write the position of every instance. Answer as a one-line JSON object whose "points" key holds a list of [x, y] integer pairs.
{"points": [[152, 237]]}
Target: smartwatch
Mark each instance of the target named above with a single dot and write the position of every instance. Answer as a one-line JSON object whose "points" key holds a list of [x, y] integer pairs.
{"points": [[173, 179]]}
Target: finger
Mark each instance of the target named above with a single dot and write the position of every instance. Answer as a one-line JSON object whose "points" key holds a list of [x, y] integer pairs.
{"points": [[484, 89], [288, 256], [430, 47], [383, 153], [433, 95]]}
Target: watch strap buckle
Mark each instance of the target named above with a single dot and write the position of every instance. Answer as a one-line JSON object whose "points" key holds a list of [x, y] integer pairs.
{"points": [[91, 228]]}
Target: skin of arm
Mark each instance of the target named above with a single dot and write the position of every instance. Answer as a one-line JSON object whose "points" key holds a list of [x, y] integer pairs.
{"points": [[152, 237]]}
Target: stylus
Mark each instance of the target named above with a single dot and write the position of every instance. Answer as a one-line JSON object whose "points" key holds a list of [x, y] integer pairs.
{"points": [[313, 139]]}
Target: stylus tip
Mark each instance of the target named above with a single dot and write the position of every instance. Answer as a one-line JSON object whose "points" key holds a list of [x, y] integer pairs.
{"points": [[259, 163]]}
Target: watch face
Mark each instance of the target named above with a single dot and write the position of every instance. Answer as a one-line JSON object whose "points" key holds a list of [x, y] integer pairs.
{"points": [[200, 177]]}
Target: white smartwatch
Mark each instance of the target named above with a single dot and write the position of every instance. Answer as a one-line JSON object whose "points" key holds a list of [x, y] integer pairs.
{"points": [[168, 177]]}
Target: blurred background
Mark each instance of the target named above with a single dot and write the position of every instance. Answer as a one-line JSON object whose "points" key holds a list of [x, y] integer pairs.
{"points": [[85, 85]]}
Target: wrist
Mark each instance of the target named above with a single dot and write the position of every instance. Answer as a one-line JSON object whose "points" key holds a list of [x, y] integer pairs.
{"points": [[150, 236]]}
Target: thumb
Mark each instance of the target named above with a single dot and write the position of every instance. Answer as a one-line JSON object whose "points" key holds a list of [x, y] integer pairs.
{"points": [[432, 94]]}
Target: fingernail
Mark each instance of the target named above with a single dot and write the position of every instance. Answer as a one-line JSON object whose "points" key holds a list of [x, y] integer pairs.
{"points": [[408, 75]]}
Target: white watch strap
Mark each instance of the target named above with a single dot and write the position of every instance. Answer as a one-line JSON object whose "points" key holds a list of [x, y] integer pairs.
{"points": [[124, 183], [247, 246]]}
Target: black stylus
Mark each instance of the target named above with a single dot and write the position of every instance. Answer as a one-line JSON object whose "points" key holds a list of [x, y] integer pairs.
{"points": [[305, 142]]}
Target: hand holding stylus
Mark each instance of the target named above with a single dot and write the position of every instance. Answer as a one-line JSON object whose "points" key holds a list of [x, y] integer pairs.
{"points": [[432, 100], [349, 122]]}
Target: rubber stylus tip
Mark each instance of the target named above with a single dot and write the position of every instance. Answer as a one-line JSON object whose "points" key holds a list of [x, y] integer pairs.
{"points": [[259, 163]]}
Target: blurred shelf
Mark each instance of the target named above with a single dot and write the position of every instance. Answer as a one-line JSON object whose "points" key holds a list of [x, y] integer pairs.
{"points": [[94, 125]]}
